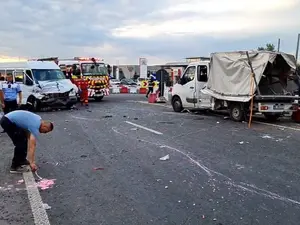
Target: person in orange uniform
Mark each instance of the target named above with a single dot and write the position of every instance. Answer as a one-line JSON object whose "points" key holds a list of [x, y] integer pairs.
{"points": [[82, 86]]}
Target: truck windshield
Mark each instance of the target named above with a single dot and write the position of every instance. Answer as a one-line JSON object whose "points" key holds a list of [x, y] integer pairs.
{"points": [[48, 74], [91, 69]]}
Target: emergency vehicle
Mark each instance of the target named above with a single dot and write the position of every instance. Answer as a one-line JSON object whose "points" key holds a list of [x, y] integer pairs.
{"points": [[93, 70]]}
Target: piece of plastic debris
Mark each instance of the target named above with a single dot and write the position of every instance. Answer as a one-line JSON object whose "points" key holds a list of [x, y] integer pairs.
{"points": [[107, 116], [241, 142], [136, 118], [56, 164], [179, 201], [83, 156], [171, 181], [45, 184], [20, 181], [266, 136], [214, 219], [166, 157], [166, 187], [203, 217], [46, 206], [194, 204], [98, 168], [218, 122], [226, 117], [134, 128]]}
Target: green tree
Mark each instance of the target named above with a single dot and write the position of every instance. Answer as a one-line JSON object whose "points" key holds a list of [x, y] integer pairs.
{"points": [[269, 47]]}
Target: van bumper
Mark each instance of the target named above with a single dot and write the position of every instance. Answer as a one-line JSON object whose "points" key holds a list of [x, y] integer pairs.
{"points": [[57, 102]]}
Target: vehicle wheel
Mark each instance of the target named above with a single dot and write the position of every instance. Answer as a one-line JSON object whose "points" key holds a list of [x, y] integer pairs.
{"points": [[98, 99], [272, 117], [33, 104], [236, 112], [177, 104]]}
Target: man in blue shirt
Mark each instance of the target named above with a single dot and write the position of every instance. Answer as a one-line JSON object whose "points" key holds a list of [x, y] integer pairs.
{"points": [[23, 127], [9, 92]]}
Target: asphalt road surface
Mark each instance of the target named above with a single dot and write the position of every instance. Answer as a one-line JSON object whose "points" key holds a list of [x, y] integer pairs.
{"points": [[107, 169]]}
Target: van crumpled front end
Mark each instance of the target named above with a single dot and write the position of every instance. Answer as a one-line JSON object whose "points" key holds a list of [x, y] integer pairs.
{"points": [[58, 99]]}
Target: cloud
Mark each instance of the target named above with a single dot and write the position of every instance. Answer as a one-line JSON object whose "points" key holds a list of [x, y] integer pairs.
{"points": [[162, 31]]}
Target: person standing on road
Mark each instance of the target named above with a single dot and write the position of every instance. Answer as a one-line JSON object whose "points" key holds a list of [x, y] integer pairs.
{"points": [[23, 127], [9, 92], [150, 85]]}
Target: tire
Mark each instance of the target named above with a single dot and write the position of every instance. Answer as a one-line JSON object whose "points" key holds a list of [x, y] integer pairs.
{"points": [[272, 117], [177, 104], [98, 99], [236, 112], [33, 104]]}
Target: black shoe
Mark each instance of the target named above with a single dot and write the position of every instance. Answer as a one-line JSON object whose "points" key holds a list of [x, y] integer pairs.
{"points": [[20, 169]]}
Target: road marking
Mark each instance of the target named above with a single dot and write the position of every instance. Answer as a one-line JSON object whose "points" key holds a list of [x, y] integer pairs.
{"points": [[145, 128], [39, 213], [279, 126]]}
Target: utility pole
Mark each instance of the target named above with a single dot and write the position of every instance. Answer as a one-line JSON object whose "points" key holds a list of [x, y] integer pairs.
{"points": [[297, 49], [278, 48]]}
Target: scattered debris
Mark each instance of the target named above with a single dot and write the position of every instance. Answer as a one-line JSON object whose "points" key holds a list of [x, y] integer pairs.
{"points": [[107, 116], [241, 142], [65, 128], [214, 219], [171, 181], [136, 118], [194, 204], [279, 140], [167, 157], [226, 117], [165, 122], [134, 128], [179, 201], [166, 187], [266, 136], [98, 168], [88, 110], [46, 206], [56, 164], [218, 122], [125, 116], [20, 181], [83, 156], [203, 217]]}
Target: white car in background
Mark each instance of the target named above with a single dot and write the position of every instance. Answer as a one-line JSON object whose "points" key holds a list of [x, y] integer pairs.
{"points": [[114, 82]]}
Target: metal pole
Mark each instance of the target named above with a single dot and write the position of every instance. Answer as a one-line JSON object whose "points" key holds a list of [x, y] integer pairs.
{"points": [[253, 74], [278, 48], [297, 49]]}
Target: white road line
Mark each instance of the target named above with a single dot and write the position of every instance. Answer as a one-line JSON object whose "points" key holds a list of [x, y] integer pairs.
{"points": [[145, 128], [279, 126], [39, 213]]}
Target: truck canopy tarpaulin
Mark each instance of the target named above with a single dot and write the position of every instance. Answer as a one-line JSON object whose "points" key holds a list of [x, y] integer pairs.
{"points": [[229, 77]]}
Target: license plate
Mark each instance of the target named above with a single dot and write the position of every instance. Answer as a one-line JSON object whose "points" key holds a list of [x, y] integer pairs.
{"points": [[278, 107]]}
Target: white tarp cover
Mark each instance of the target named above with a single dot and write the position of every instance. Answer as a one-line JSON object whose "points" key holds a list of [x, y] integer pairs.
{"points": [[230, 73]]}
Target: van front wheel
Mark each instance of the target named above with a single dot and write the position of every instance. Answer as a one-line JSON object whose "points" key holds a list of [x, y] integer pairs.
{"points": [[177, 104]]}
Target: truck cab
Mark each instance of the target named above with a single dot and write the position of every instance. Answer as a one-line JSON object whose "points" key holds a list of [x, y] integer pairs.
{"points": [[186, 93]]}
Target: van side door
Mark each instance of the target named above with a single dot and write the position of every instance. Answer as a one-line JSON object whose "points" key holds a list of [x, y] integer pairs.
{"points": [[204, 101], [188, 87]]}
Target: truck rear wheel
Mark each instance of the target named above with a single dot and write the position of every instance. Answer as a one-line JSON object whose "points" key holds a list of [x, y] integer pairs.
{"points": [[236, 112], [177, 104]]}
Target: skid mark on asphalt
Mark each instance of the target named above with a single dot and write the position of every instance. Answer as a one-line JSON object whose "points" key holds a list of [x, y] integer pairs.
{"points": [[239, 185]]}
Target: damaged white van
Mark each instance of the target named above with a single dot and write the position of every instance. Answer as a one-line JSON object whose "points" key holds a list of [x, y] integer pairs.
{"points": [[264, 82], [43, 84]]}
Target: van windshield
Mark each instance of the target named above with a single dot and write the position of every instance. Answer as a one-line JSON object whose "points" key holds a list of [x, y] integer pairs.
{"points": [[48, 74]]}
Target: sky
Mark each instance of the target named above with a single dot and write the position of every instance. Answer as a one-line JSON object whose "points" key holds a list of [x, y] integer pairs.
{"points": [[122, 31]]}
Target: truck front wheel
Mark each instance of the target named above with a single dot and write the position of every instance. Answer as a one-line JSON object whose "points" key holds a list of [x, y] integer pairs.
{"points": [[177, 104], [236, 112]]}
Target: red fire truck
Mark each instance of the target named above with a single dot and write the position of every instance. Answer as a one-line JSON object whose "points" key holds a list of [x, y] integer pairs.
{"points": [[93, 70]]}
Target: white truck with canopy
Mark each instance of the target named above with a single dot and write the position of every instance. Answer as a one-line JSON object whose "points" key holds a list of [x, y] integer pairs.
{"points": [[239, 82], [43, 84]]}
